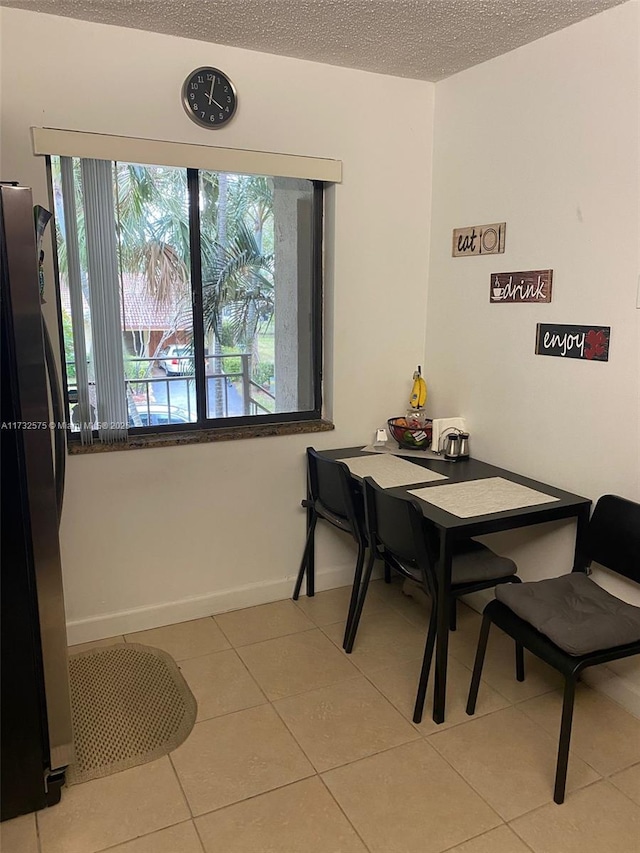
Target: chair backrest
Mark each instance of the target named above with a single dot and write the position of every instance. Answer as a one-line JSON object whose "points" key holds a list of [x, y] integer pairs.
{"points": [[331, 484], [613, 538], [395, 527]]}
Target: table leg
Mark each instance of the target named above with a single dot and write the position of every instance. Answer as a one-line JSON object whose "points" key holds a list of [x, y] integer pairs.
{"points": [[580, 560], [442, 615]]}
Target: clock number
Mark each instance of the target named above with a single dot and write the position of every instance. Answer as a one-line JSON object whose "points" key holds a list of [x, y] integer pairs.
{"points": [[212, 118], [202, 115], [194, 85], [195, 107], [200, 78], [209, 77], [226, 88], [191, 95]]}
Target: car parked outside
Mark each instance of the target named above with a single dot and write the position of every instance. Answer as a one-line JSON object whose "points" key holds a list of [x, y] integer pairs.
{"points": [[176, 360], [158, 415]]}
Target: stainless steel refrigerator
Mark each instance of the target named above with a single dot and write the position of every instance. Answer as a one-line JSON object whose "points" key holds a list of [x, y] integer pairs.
{"points": [[35, 713]]}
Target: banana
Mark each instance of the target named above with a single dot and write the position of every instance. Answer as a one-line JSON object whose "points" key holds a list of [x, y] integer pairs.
{"points": [[419, 390]]}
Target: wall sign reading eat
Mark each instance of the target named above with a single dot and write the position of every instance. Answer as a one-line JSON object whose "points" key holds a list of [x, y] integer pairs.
{"points": [[479, 240], [588, 342]]}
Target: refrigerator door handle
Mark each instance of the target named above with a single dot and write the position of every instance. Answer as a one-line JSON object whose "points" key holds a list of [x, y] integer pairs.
{"points": [[59, 418]]}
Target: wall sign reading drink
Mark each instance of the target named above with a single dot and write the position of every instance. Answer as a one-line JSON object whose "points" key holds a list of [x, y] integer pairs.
{"points": [[479, 240], [532, 286], [588, 342]]}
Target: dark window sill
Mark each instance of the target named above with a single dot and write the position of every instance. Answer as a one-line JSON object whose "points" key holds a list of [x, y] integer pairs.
{"points": [[205, 436]]}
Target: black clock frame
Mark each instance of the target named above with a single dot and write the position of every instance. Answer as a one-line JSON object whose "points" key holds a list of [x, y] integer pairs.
{"points": [[205, 121]]}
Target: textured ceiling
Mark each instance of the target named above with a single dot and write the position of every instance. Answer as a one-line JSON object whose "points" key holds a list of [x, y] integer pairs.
{"points": [[425, 39]]}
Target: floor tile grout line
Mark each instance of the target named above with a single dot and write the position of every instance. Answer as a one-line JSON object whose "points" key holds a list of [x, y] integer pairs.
{"points": [[144, 835], [474, 837], [346, 816], [277, 637], [573, 750], [481, 795], [254, 796], [554, 739], [546, 806], [180, 785], [607, 779], [287, 633], [248, 672], [467, 782], [198, 833], [300, 746], [346, 763], [220, 628]]}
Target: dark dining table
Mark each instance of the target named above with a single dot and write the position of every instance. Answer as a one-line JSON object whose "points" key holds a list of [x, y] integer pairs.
{"points": [[452, 527]]}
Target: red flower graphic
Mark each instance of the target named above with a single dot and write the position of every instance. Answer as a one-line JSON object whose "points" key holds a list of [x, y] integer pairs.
{"points": [[596, 344]]}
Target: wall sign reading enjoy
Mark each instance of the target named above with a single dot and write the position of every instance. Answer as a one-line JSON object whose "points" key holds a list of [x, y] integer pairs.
{"points": [[532, 286], [479, 240], [588, 342]]}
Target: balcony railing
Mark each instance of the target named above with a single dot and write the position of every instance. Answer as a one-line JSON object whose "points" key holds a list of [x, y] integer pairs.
{"points": [[160, 398]]}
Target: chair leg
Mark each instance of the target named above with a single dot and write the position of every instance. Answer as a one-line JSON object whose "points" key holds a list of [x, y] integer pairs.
{"points": [[453, 615], [306, 564], [355, 621], [519, 661], [565, 738], [426, 666], [477, 666], [355, 591]]}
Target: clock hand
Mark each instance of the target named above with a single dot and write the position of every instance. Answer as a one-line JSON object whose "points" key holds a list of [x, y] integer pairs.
{"points": [[216, 103], [210, 95]]}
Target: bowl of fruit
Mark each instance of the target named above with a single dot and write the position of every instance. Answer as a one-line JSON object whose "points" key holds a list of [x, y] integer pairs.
{"points": [[410, 437]]}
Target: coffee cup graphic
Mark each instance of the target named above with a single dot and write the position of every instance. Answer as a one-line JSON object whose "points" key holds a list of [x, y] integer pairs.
{"points": [[497, 292]]}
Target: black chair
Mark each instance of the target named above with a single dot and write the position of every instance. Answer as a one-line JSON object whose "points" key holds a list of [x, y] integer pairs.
{"points": [[570, 622], [399, 534], [332, 495]]}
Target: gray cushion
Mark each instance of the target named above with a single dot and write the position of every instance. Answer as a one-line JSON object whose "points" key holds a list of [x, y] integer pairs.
{"points": [[574, 613], [473, 562]]}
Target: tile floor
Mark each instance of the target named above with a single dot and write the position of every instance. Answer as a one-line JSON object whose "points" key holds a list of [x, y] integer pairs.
{"points": [[300, 749]]}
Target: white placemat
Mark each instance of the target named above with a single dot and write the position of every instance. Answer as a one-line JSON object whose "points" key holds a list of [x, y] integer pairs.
{"points": [[389, 471], [481, 497]]}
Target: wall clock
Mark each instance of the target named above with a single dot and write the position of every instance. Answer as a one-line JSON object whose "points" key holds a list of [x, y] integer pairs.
{"points": [[209, 97]]}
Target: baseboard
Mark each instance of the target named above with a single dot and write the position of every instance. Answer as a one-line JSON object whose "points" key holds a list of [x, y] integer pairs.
{"points": [[158, 615]]}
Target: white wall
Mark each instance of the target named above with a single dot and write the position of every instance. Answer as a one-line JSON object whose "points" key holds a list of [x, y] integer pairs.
{"points": [[546, 139], [154, 536]]}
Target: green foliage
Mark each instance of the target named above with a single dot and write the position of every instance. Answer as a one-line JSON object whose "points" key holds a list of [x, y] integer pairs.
{"points": [[136, 369], [227, 335], [67, 334], [263, 372], [231, 365]]}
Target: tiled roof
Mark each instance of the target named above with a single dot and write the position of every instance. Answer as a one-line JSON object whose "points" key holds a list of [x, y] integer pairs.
{"points": [[140, 311]]}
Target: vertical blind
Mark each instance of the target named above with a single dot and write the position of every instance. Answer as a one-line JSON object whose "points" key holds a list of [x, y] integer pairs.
{"points": [[82, 413], [102, 399]]}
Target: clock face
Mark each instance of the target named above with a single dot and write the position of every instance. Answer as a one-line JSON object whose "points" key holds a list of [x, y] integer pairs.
{"points": [[209, 97]]}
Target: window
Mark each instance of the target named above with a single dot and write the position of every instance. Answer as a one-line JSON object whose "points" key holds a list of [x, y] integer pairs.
{"points": [[189, 298]]}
